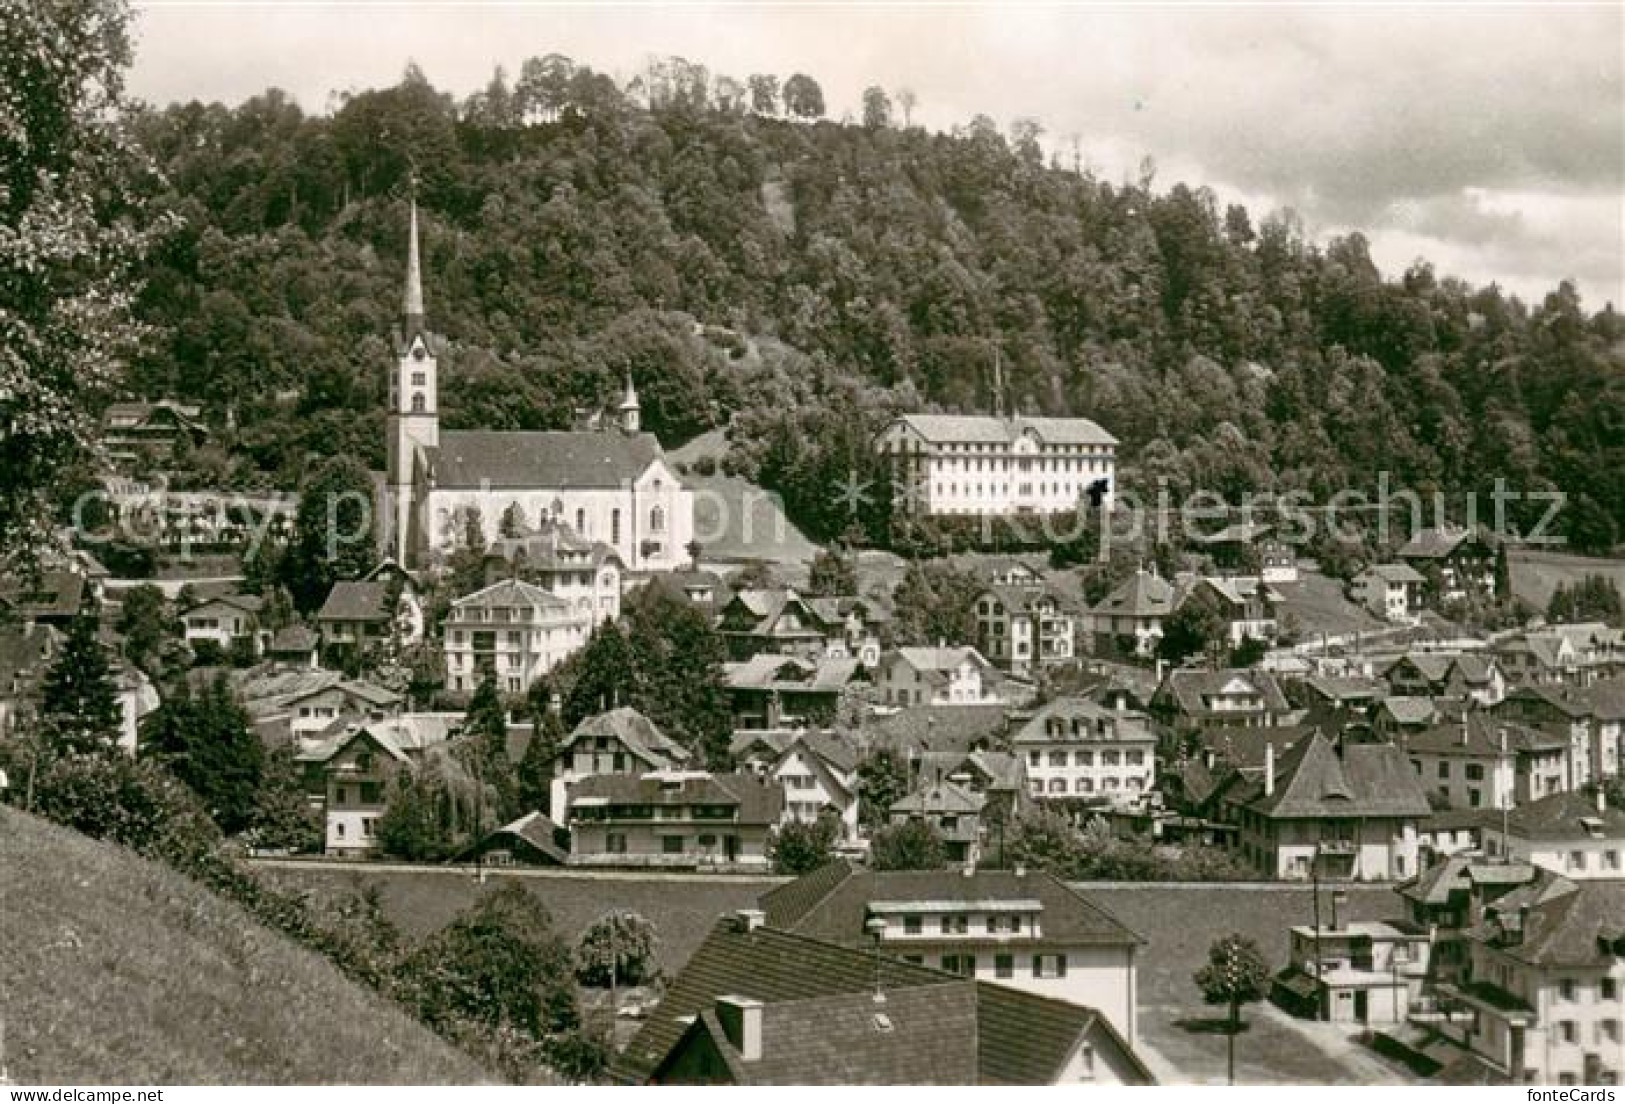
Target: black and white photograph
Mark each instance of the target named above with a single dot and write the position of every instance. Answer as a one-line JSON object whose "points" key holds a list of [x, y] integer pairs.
{"points": [[566, 545]]}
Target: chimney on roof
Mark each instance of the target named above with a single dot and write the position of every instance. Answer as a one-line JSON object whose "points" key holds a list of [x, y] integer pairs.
{"points": [[748, 920], [1269, 769], [741, 1020]]}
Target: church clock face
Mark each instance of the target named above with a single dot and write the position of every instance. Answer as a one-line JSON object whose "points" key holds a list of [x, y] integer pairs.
{"points": [[417, 352]]}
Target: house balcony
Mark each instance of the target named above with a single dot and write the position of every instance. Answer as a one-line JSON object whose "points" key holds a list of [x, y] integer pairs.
{"points": [[1490, 999]]}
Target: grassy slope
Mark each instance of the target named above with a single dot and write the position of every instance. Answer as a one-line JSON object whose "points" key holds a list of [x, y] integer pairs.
{"points": [[116, 970], [1536, 574]]}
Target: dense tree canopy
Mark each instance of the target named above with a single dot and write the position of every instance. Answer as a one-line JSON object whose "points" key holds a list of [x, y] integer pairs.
{"points": [[798, 280]]}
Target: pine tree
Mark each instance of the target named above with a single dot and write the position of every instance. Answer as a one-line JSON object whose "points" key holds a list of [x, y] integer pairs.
{"points": [[80, 712], [536, 767], [208, 742], [485, 743]]}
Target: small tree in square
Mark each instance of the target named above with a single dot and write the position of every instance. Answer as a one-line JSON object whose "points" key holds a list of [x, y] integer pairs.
{"points": [[1235, 974]]}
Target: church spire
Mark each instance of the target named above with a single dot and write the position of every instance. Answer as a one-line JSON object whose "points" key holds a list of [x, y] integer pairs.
{"points": [[412, 305]]}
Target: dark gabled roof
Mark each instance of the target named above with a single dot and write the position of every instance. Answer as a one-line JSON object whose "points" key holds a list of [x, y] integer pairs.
{"points": [[1432, 544], [827, 746], [1606, 699], [24, 654], [915, 1036], [356, 600], [1566, 923], [1244, 745], [1015, 1038], [1483, 739], [1432, 666], [1346, 689], [294, 639], [1100, 724], [1190, 689], [833, 903], [248, 603], [563, 459], [759, 801], [641, 736], [1566, 816], [1144, 594], [1003, 770], [533, 828], [934, 727], [938, 798], [52, 594], [1316, 779]]}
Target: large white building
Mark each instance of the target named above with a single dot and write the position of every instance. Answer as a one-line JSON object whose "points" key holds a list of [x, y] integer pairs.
{"points": [[612, 486], [986, 465]]}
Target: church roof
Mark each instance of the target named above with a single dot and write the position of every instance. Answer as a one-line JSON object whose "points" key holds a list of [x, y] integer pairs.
{"points": [[547, 459]]}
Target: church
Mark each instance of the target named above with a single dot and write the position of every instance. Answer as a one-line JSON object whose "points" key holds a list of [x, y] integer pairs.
{"points": [[609, 485]]}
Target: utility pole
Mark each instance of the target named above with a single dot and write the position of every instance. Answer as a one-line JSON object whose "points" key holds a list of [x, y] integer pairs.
{"points": [[1314, 882]]}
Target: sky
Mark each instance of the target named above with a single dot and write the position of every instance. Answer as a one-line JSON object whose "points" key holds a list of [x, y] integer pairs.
{"points": [[1488, 139]]}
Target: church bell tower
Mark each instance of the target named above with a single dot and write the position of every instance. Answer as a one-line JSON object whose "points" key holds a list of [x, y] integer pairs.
{"points": [[414, 418]]}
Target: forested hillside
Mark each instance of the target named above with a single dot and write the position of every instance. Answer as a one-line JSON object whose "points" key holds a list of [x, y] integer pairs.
{"points": [[755, 266]]}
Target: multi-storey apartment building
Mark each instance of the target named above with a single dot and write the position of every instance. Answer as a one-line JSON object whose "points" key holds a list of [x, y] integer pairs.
{"points": [[514, 630], [1075, 747]]}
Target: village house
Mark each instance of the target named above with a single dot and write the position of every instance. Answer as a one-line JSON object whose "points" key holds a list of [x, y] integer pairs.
{"points": [[771, 691], [1397, 714], [953, 810], [293, 703], [589, 575], [134, 432], [1578, 835], [779, 621], [1461, 560], [997, 466], [818, 772], [297, 646], [1448, 899], [1247, 605], [353, 770], [1591, 720], [1480, 762], [1131, 617], [617, 741], [704, 590], [673, 819], [1392, 592], [513, 631], [1201, 699], [1355, 972], [1023, 629], [360, 614], [744, 1007], [998, 779], [226, 621], [1350, 810], [1022, 929], [26, 651], [55, 597], [936, 676], [1544, 978], [1076, 748]]}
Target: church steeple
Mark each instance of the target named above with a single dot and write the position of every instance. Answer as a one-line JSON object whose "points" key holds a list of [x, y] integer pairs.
{"points": [[412, 304]]}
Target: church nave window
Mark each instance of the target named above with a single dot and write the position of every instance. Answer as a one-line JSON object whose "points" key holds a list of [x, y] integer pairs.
{"points": [[581, 523], [657, 520], [615, 526]]}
